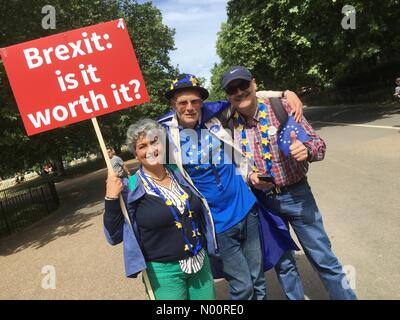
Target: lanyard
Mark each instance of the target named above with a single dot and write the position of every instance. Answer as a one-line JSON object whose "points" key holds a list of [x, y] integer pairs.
{"points": [[172, 209], [265, 142]]}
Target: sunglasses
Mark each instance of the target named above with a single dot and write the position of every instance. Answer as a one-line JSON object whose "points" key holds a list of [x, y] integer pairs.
{"points": [[242, 85]]}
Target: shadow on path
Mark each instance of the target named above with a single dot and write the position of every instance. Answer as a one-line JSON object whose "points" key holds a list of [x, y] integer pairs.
{"points": [[354, 114], [81, 199], [313, 286], [79, 204]]}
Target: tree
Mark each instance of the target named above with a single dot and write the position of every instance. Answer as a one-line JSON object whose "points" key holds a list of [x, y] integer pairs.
{"points": [[295, 43], [21, 21]]}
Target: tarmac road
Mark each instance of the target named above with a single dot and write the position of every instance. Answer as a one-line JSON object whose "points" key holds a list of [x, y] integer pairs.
{"points": [[356, 187]]}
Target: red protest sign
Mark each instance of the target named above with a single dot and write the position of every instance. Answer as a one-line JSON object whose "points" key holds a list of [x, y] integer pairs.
{"points": [[73, 76]]}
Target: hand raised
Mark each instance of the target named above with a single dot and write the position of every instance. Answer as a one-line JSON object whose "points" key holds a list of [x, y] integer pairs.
{"points": [[297, 149], [114, 185]]}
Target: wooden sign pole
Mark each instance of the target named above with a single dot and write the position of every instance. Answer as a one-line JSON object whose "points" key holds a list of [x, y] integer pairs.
{"points": [[121, 201]]}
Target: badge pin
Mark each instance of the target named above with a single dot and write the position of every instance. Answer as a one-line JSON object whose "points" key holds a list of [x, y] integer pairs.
{"points": [[215, 128], [272, 131]]}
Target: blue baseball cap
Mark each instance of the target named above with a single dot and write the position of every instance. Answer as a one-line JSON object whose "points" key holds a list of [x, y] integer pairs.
{"points": [[234, 73]]}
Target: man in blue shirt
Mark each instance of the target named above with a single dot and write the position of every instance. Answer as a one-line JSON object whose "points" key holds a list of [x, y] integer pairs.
{"points": [[204, 162]]}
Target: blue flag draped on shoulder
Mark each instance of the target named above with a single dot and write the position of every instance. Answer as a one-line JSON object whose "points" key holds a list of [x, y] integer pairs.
{"points": [[284, 140]]}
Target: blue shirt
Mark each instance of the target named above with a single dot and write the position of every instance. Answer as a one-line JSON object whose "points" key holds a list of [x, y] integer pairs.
{"points": [[228, 196]]}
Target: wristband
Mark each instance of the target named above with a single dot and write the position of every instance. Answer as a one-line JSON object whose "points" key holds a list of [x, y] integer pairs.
{"points": [[110, 199]]}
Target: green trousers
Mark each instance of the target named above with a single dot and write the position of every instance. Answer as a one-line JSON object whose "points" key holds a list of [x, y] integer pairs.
{"points": [[169, 282]]}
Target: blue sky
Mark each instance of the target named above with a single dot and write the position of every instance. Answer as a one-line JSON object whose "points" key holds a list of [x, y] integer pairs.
{"points": [[196, 23]]}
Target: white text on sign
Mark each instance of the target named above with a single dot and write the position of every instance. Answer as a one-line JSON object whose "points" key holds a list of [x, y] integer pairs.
{"points": [[35, 58]]}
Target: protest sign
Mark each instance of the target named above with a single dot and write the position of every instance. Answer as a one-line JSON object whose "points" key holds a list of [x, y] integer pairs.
{"points": [[74, 76]]}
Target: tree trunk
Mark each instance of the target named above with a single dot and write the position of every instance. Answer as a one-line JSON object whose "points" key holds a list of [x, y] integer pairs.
{"points": [[59, 166]]}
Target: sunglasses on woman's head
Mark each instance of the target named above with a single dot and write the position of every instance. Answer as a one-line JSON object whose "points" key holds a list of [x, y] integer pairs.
{"points": [[242, 85]]}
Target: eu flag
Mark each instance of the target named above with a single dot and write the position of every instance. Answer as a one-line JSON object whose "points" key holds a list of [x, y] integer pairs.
{"points": [[284, 140]]}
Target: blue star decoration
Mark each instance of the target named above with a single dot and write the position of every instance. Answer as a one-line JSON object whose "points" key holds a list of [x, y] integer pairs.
{"points": [[284, 140]]}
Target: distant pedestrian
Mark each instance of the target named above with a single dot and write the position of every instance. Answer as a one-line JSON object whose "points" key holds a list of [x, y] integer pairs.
{"points": [[397, 90], [20, 177], [47, 169], [118, 164]]}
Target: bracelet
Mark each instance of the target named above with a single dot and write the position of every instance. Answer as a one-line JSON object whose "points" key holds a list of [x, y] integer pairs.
{"points": [[110, 199]]}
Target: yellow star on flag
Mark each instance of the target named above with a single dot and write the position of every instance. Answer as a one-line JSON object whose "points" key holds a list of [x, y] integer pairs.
{"points": [[184, 196], [264, 129], [240, 127], [178, 225], [263, 114], [244, 142], [264, 141], [190, 214], [168, 202], [266, 156], [194, 233], [186, 247]]}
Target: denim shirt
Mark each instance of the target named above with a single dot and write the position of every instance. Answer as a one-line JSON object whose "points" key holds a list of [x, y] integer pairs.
{"points": [[118, 230]]}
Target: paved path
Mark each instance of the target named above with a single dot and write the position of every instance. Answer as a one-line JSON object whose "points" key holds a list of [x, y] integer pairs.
{"points": [[356, 187]]}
